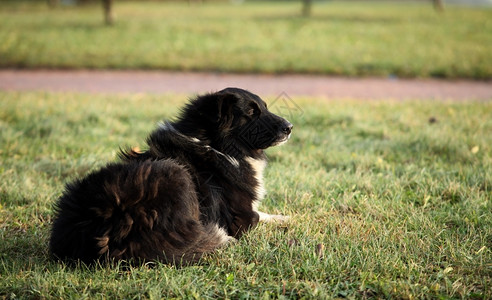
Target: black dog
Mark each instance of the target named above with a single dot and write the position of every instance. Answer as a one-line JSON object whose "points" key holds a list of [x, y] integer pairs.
{"points": [[197, 186]]}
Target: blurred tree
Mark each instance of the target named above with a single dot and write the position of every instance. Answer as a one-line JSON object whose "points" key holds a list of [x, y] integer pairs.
{"points": [[108, 11], [107, 8], [53, 3], [438, 5], [306, 7]]}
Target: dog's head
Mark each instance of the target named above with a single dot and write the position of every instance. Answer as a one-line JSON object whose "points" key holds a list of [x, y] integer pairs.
{"points": [[253, 124], [237, 114]]}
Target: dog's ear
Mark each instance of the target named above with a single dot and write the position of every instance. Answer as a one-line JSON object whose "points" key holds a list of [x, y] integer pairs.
{"points": [[225, 104], [245, 100], [218, 107]]}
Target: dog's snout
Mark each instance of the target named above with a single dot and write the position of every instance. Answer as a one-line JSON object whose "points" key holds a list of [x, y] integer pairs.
{"points": [[287, 128]]}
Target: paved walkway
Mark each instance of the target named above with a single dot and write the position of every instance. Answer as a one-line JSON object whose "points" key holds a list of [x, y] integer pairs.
{"points": [[157, 82]]}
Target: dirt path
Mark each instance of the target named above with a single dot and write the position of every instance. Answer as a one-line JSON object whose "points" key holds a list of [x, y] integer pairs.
{"points": [[293, 85]]}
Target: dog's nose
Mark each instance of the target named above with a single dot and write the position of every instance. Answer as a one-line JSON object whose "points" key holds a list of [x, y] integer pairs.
{"points": [[287, 128]]}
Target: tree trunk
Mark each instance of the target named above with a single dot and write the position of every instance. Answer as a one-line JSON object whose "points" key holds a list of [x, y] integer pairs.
{"points": [[53, 3], [108, 12], [438, 5], [306, 7]]}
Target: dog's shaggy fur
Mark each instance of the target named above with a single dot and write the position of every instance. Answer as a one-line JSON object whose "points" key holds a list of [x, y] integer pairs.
{"points": [[196, 187]]}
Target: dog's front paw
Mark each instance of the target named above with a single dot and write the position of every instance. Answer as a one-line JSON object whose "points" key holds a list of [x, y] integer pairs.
{"points": [[280, 218], [267, 218]]}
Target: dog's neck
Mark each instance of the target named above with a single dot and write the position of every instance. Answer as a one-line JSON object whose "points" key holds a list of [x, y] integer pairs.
{"points": [[224, 143]]}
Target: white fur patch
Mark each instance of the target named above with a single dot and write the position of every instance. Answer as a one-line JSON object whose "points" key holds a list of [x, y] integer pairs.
{"points": [[282, 142], [258, 165], [221, 234], [267, 218], [168, 127], [229, 158]]}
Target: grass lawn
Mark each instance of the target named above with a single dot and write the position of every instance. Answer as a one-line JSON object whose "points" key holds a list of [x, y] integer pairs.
{"points": [[384, 203], [341, 38]]}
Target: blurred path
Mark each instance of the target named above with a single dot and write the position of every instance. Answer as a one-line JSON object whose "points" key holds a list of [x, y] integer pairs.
{"points": [[157, 82]]}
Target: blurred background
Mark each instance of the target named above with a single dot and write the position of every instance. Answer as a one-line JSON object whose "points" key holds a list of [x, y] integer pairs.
{"points": [[389, 199], [407, 39]]}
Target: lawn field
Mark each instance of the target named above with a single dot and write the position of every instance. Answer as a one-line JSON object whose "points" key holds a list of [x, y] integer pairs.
{"points": [[340, 38], [387, 200]]}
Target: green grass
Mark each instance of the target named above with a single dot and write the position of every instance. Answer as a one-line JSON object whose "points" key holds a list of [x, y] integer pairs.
{"points": [[400, 207], [341, 38]]}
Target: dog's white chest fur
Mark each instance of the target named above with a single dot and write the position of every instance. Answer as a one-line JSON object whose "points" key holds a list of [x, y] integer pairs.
{"points": [[258, 166]]}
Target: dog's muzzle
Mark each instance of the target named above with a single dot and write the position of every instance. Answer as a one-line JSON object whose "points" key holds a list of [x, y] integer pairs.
{"points": [[286, 130]]}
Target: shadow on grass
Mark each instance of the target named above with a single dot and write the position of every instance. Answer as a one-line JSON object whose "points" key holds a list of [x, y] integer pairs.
{"points": [[24, 232], [88, 26], [23, 249]]}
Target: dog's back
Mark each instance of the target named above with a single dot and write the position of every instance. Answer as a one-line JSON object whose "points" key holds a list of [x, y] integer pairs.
{"points": [[145, 210]]}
